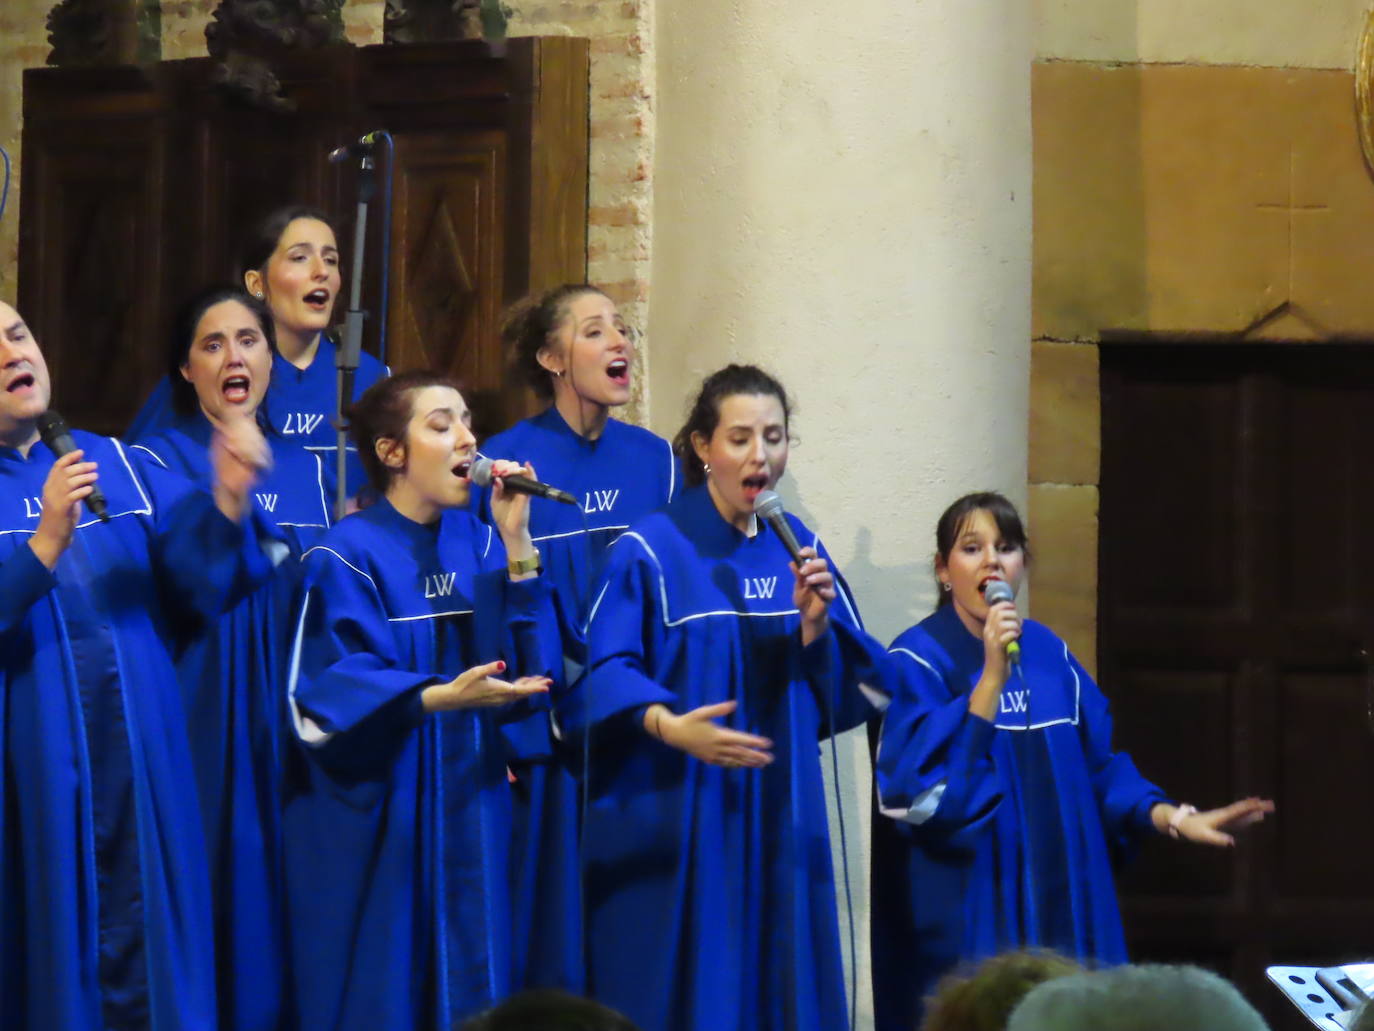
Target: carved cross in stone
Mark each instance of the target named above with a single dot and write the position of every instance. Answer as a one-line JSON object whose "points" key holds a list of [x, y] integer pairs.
{"points": [[1293, 210]]}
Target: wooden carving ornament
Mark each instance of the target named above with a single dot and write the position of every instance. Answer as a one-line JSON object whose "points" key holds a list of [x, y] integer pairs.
{"points": [[244, 37]]}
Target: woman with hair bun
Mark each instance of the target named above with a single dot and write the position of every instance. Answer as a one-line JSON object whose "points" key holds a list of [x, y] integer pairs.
{"points": [[715, 667], [1008, 807], [575, 351], [398, 846]]}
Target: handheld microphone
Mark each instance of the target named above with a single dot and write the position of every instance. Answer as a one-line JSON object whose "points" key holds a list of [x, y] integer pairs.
{"points": [[768, 506], [53, 429], [354, 150], [482, 475], [995, 591]]}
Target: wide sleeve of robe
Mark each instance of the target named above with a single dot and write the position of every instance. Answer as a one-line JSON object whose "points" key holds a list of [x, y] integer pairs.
{"points": [[1124, 795], [848, 670], [625, 628], [934, 766]]}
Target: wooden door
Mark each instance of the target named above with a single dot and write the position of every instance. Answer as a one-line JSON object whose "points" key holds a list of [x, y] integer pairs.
{"points": [[1236, 608], [140, 187]]}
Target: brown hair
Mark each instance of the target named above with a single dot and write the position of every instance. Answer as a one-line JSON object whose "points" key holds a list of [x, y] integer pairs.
{"points": [[530, 325], [266, 234], [982, 999], [383, 413], [704, 415], [952, 522]]}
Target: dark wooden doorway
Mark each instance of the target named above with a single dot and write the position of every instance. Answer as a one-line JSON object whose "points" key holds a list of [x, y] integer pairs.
{"points": [[139, 186], [1236, 610]]}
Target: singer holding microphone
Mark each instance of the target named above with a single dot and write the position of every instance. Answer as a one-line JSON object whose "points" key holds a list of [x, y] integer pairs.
{"points": [[716, 665], [398, 865], [1007, 807], [105, 915], [233, 671], [574, 350], [291, 263]]}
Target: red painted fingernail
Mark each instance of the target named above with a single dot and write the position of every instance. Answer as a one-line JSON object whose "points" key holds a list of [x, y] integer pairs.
{"points": [[500, 667]]}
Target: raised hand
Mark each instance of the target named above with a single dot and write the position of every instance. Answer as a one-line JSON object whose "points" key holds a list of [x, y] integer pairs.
{"points": [[478, 688], [239, 455], [813, 590], [697, 734], [69, 482], [511, 509], [1002, 626]]}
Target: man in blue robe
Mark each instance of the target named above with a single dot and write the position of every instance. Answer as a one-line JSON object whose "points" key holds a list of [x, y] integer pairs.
{"points": [[104, 900]]}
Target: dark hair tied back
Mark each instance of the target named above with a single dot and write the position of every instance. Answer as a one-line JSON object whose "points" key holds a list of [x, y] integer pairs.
{"points": [[383, 412], [529, 325], [262, 242], [954, 518], [704, 415], [183, 337]]}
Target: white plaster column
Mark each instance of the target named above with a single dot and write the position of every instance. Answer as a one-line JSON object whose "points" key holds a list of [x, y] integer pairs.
{"points": [[842, 195]]}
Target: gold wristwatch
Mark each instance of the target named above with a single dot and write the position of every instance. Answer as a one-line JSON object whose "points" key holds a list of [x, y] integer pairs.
{"points": [[521, 566]]}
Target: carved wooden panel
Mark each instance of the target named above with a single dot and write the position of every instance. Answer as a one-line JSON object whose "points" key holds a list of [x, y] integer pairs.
{"points": [[90, 243], [140, 187]]}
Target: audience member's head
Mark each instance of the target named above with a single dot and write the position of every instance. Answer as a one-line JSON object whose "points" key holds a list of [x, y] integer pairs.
{"points": [[981, 998], [548, 1010], [1137, 998]]}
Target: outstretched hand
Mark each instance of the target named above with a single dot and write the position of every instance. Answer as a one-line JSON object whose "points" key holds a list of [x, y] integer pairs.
{"points": [[1217, 826], [478, 688], [698, 734]]}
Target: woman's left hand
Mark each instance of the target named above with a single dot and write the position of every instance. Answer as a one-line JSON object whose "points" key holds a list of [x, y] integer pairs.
{"points": [[1211, 826], [813, 590], [239, 455]]}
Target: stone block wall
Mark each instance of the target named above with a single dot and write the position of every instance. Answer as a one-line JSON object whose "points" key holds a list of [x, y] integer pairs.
{"points": [[1178, 198]]}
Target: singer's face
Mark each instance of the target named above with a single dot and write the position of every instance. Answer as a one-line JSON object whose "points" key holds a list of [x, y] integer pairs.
{"points": [[229, 362], [436, 456], [979, 554], [24, 385], [301, 280], [746, 454], [595, 351]]}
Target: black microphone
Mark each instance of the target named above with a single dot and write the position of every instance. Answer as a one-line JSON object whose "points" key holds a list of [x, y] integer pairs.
{"points": [[354, 150], [482, 476], [995, 591], [768, 506], [56, 434]]}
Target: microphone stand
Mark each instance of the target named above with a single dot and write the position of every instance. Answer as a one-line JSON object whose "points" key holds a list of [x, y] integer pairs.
{"points": [[348, 354]]}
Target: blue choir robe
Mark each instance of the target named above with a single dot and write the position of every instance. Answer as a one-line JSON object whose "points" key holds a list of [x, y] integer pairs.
{"points": [[299, 405], [398, 848], [233, 674], [621, 476], [710, 894], [105, 917], [1001, 834]]}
